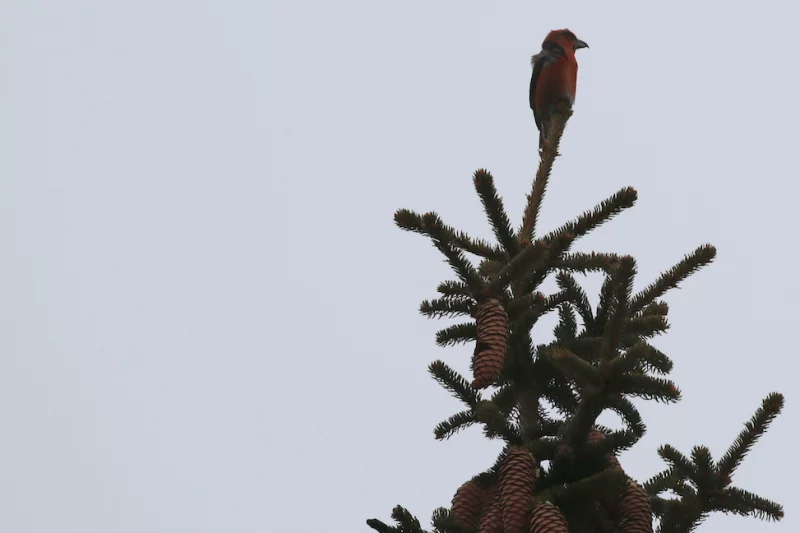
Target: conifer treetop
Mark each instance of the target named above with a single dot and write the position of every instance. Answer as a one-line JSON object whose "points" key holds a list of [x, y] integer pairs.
{"points": [[546, 398]]}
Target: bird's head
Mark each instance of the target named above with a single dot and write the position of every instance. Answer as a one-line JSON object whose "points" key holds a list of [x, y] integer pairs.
{"points": [[565, 39]]}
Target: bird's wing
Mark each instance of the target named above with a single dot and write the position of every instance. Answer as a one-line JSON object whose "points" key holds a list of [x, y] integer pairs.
{"points": [[538, 61]]}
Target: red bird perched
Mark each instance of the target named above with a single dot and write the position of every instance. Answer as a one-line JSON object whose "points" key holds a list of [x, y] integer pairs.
{"points": [[555, 74]]}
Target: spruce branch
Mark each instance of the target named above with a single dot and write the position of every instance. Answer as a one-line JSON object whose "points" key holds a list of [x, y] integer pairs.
{"points": [[532, 302], [679, 462], [488, 268], [588, 488], [661, 482], [704, 465], [567, 327], [758, 424], [548, 156], [380, 527], [657, 308], [454, 383], [505, 398], [585, 375], [577, 296], [548, 426], [530, 258], [410, 221], [629, 414], [495, 423], [584, 263], [587, 346], [575, 430], [621, 291], [517, 365], [525, 310], [454, 289], [444, 521], [443, 238], [446, 429], [562, 396], [554, 386], [457, 334], [679, 516], [531, 417], [614, 442], [407, 522], [713, 492], [447, 307], [686, 492], [494, 471], [647, 387], [654, 360], [690, 264], [603, 212], [604, 305], [485, 480], [645, 326], [478, 247], [627, 362], [531, 279], [693, 507], [496, 213], [742, 502], [554, 300]]}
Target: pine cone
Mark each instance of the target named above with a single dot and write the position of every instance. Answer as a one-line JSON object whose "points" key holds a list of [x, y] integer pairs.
{"points": [[467, 504], [492, 519], [547, 518], [632, 511], [516, 489], [490, 350], [596, 435]]}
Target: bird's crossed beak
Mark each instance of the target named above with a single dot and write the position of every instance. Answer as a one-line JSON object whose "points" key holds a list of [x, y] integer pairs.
{"points": [[580, 44]]}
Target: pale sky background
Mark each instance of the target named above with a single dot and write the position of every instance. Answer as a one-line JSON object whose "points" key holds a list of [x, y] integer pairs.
{"points": [[209, 321]]}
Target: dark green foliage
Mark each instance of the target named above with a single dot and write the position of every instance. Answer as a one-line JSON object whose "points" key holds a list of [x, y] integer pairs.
{"points": [[753, 429], [690, 264], [454, 424], [444, 522], [455, 383], [704, 486], [448, 307], [496, 213], [457, 334], [406, 523], [549, 396]]}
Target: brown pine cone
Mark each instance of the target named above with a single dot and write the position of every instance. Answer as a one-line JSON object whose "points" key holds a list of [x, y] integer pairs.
{"points": [[631, 510], [492, 519], [467, 504], [547, 518], [596, 435], [490, 350], [516, 489]]}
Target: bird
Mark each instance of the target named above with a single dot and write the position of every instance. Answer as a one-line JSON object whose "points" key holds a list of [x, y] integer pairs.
{"points": [[555, 73]]}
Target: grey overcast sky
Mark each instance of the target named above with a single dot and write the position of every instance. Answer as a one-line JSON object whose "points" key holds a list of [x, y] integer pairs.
{"points": [[209, 321]]}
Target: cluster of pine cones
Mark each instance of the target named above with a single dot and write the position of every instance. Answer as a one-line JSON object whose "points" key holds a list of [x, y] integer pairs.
{"points": [[505, 507]]}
